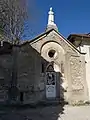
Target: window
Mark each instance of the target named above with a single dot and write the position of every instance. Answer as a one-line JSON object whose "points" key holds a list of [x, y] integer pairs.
{"points": [[21, 96], [51, 53], [42, 67]]}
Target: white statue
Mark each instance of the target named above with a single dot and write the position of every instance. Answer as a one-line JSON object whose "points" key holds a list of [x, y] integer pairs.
{"points": [[51, 23]]}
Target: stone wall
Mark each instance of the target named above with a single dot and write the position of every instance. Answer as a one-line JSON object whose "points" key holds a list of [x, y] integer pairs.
{"points": [[5, 75], [30, 77], [79, 91], [30, 63], [53, 37], [74, 65]]}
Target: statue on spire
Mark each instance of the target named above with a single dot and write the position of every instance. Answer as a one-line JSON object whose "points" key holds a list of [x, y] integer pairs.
{"points": [[51, 17], [51, 23]]}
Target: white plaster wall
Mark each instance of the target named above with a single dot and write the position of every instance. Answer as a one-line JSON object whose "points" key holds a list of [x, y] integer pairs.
{"points": [[86, 49]]}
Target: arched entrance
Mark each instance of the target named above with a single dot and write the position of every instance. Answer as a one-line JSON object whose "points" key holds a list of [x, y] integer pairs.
{"points": [[54, 53], [50, 81]]}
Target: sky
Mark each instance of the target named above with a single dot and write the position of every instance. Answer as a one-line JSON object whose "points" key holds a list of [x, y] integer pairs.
{"points": [[71, 16]]}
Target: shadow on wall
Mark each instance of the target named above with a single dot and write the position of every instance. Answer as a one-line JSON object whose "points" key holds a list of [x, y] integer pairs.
{"points": [[31, 82], [42, 73]]}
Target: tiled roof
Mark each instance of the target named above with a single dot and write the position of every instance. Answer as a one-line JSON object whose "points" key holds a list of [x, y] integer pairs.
{"points": [[79, 35]]}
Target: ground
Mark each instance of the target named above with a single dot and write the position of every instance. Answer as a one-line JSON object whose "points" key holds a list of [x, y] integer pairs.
{"points": [[46, 113]]}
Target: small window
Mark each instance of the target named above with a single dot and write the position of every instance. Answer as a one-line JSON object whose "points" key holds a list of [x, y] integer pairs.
{"points": [[51, 53], [42, 67], [21, 96]]}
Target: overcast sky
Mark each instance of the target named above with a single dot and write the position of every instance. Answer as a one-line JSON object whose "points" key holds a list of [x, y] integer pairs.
{"points": [[71, 16]]}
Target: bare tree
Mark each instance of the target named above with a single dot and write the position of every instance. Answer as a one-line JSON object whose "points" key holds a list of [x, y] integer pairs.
{"points": [[13, 14]]}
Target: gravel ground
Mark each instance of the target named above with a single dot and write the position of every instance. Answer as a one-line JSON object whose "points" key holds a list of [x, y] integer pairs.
{"points": [[46, 113], [76, 113]]}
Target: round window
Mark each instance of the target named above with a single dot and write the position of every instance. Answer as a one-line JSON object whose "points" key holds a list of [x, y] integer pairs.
{"points": [[51, 53]]}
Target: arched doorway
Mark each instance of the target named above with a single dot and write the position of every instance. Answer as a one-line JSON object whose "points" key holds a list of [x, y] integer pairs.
{"points": [[50, 81]]}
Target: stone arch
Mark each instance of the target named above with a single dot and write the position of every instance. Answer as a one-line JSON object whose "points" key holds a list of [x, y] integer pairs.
{"points": [[58, 59], [48, 67], [51, 41], [57, 55], [52, 51]]}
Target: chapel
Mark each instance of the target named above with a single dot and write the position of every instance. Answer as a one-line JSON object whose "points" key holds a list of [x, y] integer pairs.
{"points": [[46, 68]]}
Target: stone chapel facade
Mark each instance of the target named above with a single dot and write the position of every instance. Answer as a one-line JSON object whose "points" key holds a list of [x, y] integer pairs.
{"points": [[48, 68]]}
